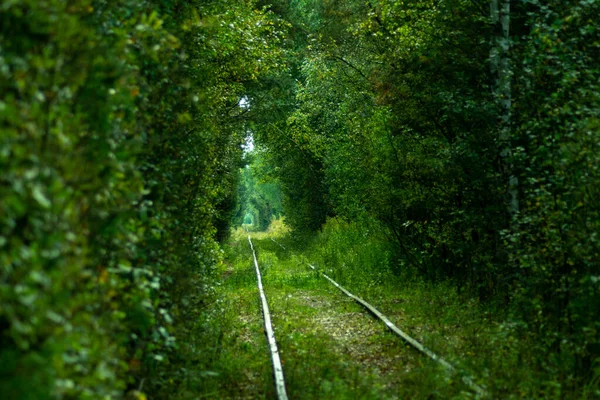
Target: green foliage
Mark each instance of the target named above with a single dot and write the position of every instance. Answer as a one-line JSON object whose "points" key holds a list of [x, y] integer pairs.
{"points": [[72, 289], [300, 176], [121, 141], [397, 116], [259, 197], [554, 242], [480, 338], [119, 145], [346, 248]]}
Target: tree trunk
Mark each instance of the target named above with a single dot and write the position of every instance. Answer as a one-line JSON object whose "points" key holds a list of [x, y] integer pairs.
{"points": [[500, 64]]}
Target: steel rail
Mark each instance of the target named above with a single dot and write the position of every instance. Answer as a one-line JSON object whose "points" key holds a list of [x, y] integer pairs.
{"points": [[277, 243], [277, 368], [449, 367]]}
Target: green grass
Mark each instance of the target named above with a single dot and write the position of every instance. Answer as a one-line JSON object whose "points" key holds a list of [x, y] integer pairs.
{"points": [[324, 337], [331, 348]]}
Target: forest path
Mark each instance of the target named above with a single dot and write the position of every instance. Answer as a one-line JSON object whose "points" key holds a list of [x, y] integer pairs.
{"points": [[330, 347]]}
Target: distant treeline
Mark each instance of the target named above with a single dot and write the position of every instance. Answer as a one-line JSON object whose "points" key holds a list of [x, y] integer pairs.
{"points": [[259, 199]]}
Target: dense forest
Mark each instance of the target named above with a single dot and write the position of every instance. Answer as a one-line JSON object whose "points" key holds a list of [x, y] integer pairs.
{"points": [[466, 133]]}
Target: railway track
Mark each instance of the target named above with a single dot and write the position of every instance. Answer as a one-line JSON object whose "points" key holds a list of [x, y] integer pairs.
{"points": [[276, 361]]}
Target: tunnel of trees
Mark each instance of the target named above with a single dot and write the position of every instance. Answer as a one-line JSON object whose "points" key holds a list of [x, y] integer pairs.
{"points": [[467, 131], [258, 197]]}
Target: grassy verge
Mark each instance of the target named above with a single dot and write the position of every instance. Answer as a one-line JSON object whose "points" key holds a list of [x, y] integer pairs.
{"points": [[235, 366]]}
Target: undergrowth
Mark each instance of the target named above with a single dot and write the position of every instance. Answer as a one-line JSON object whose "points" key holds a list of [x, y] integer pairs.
{"points": [[481, 338]]}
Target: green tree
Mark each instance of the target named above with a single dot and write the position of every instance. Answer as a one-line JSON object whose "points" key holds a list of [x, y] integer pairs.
{"points": [[553, 243], [119, 146]]}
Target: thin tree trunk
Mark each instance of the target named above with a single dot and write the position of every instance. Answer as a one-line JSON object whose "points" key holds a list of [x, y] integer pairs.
{"points": [[500, 64]]}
